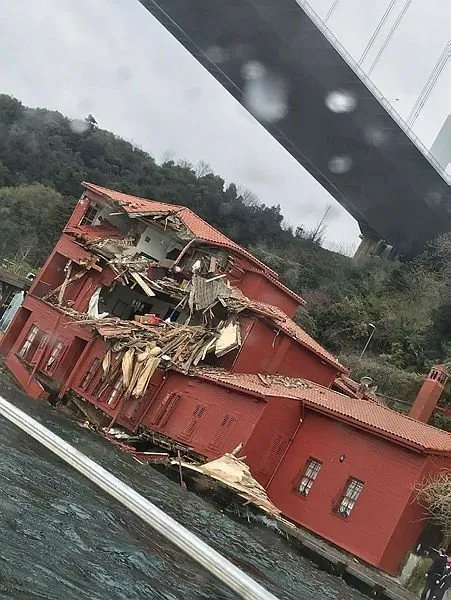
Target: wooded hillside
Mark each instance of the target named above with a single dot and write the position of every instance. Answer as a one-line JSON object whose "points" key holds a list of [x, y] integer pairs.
{"points": [[44, 156]]}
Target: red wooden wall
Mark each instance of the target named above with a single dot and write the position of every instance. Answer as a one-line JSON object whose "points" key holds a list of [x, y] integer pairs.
{"points": [[388, 471], [258, 287], [59, 329], [412, 521], [298, 361], [271, 437], [265, 351], [207, 417]]}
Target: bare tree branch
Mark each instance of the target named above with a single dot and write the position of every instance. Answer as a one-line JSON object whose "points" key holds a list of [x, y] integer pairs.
{"points": [[248, 197], [434, 494], [202, 169], [316, 235]]}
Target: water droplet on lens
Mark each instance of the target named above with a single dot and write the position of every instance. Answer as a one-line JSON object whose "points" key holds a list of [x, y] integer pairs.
{"points": [[78, 126], [253, 70], [375, 137], [341, 101], [340, 164], [266, 98]]}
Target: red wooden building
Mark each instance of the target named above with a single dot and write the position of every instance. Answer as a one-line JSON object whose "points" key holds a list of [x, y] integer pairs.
{"points": [[221, 362]]}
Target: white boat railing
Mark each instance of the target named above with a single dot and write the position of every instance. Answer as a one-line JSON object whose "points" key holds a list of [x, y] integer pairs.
{"points": [[165, 525]]}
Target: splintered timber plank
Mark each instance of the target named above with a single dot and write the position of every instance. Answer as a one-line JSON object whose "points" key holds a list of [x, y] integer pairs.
{"points": [[199, 346], [77, 276], [65, 282], [143, 285]]}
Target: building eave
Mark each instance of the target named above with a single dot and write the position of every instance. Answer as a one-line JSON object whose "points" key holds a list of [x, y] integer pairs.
{"points": [[415, 447]]}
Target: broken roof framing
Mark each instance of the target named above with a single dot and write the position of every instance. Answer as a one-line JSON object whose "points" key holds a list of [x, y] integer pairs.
{"points": [[190, 275]]}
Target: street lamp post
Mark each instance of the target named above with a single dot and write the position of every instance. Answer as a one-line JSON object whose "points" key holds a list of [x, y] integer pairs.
{"points": [[373, 328]]}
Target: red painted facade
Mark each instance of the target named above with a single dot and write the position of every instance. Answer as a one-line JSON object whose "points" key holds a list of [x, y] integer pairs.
{"points": [[282, 424], [388, 472], [258, 286], [53, 333], [284, 355]]}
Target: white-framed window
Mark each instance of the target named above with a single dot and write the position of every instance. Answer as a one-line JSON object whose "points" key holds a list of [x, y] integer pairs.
{"points": [[31, 337], [113, 393], [55, 357], [349, 497], [90, 374], [312, 468], [90, 215]]}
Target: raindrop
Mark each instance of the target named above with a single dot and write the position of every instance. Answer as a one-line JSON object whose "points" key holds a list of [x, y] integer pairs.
{"points": [[340, 164], [433, 199], [341, 101], [375, 136], [253, 70], [78, 126], [217, 54], [123, 73], [265, 94]]}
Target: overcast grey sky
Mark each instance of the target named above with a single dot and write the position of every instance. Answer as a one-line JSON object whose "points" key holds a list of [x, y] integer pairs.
{"points": [[111, 58]]}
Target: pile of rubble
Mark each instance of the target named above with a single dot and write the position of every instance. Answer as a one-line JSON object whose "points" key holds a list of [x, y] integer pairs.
{"points": [[266, 380], [137, 349]]}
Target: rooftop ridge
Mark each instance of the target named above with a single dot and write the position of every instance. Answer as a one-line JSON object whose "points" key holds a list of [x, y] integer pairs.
{"points": [[363, 412]]}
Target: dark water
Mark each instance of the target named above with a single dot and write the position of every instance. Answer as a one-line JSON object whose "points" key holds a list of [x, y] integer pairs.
{"points": [[63, 539]]}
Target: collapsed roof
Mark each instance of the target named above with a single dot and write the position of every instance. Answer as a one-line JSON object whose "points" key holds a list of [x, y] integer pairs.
{"points": [[188, 225]]}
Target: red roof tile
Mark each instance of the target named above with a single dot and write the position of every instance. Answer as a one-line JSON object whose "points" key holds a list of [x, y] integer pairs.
{"points": [[351, 388], [131, 204], [360, 412], [200, 228], [91, 233], [287, 325]]}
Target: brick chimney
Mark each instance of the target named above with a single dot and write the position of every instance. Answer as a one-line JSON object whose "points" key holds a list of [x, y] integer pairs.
{"points": [[429, 394]]}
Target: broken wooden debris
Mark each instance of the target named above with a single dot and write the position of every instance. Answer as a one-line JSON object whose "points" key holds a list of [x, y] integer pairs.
{"points": [[267, 380], [64, 285], [120, 438], [136, 349], [263, 380], [234, 474], [68, 270], [142, 284], [230, 339]]}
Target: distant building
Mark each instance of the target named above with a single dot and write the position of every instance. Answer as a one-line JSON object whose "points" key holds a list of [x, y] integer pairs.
{"points": [[10, 285], [441, 148], [173, 330]]}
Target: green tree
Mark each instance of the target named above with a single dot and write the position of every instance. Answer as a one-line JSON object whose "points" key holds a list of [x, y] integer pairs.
{"points": [[31, 219]]}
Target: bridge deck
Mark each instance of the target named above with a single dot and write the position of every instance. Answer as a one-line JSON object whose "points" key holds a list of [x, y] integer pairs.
{"points": [[391, 188]]}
